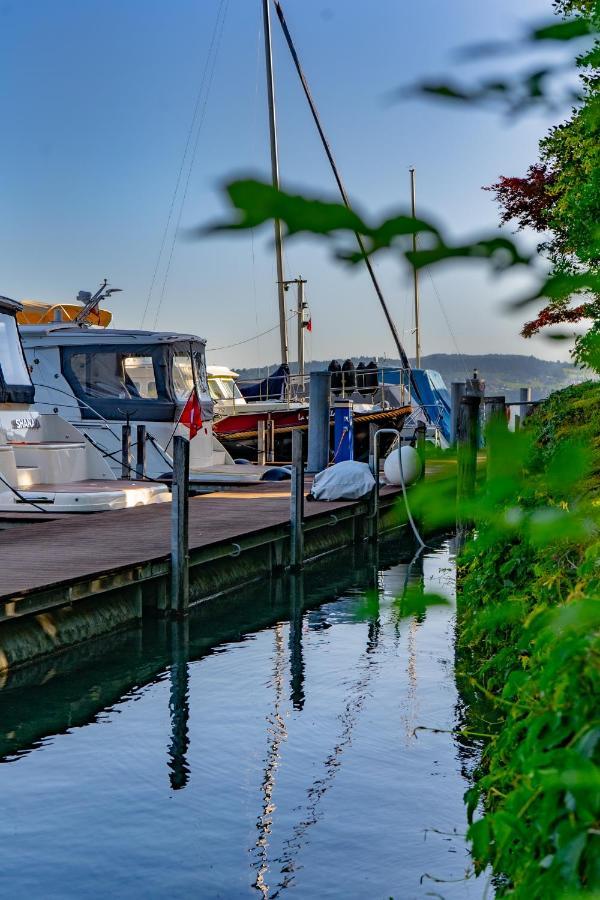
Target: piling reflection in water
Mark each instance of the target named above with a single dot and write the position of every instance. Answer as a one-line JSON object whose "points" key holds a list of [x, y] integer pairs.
{"points": [[288, 754], [295, 640], [179, 703]]}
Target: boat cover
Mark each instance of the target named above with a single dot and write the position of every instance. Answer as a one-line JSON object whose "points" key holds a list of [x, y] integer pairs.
{"points": [[348, 480], [433, 398], [271, 388]]}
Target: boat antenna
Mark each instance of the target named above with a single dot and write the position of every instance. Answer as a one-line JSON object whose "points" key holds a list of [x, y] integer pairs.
{"points": [[336, 174], [413, 201], [92, 301], [283, 335]]}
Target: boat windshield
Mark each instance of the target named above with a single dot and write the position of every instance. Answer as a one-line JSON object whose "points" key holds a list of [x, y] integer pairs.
{"points": [[224, 389], [12, 361]]}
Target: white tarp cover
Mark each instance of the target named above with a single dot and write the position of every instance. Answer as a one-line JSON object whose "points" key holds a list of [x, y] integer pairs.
{"points": [[346, 480]]}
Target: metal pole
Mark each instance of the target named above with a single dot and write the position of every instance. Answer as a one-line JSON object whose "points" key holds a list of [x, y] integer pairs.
{"points": [[297, 503], [125, 450], [140, 466], [301, 282], [283, 336], [318, 422], [413, 200], [180, 586]]}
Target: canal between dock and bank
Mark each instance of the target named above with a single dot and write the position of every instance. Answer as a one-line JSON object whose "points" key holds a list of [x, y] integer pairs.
{"points": [[267, 745]]}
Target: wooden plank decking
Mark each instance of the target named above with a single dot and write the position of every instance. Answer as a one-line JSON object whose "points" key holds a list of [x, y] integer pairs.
{"points": [[70, 548]]}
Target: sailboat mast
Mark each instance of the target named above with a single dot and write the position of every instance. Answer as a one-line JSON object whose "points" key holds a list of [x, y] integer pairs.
{"points": [[413, 200], [283, 335]]}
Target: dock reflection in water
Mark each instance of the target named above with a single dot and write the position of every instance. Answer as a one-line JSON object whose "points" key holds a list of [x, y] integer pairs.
{"points": [[266, 746]]}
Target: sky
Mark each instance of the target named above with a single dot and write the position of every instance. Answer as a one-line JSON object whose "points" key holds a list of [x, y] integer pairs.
{"points": [[102, 175]]}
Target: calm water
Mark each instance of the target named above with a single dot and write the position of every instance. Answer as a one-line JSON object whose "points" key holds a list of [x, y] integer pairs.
{"points": [[271, 750]]}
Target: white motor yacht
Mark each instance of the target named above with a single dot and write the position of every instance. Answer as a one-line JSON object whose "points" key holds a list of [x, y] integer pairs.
{"points": [[101, 379], [46, 463]]}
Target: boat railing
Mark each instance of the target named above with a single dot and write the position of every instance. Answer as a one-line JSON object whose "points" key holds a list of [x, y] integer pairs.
{"points": [[384, 386]]}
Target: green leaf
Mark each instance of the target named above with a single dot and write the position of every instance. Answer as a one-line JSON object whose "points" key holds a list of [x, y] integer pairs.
{"points": [[563, 31], [501, 251], [415, 601], [558, 288]]}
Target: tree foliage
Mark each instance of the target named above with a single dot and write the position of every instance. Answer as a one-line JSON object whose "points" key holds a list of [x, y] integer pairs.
{"points": [[560, 195]]}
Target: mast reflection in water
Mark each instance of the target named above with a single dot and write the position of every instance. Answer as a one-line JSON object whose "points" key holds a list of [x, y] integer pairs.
{"points": [[265, 745]]}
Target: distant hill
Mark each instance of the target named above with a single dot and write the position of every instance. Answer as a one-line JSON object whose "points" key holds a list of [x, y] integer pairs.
{"points": [[504, 373]]}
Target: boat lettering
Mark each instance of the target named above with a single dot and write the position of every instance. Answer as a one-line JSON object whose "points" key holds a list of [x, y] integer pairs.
{"points": [[26, 422]]}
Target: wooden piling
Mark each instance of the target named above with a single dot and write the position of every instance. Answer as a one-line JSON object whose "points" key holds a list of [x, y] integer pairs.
{"points": [[297, 503], [180, 587], [262, 450], [270, 439], [421, 433], [125, 451], [371, 528], [524, 400], [467, 443], [457, 391], [496, 425], [140, 466]]}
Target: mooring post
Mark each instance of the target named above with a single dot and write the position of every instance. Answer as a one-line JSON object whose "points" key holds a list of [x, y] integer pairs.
{"points": [[495, 426], [297, 503], [262, 452], [457, 392], [467, 444], [125, 450], [140, 465], [524, 400], [270, 439], [372, 513], [421, 431], [180, 585], [318, 422]]}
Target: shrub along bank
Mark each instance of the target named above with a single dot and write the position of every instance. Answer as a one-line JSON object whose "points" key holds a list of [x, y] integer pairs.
{"points": [[528, 653]]}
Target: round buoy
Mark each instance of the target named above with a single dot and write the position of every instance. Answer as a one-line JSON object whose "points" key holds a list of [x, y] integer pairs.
{"points": [[411, 466]]}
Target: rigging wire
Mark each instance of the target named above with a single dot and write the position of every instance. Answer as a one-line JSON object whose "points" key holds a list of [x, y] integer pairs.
{"points": [[224, 5], [448, 325], [248, 340], [183, 159], [252, 230]]}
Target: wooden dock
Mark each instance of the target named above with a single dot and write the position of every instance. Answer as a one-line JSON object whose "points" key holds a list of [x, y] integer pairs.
{"points": [[71, 577]]}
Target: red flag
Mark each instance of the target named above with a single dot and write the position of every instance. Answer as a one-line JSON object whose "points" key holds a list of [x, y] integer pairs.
{"points": [[309, 325], [191, 416]]}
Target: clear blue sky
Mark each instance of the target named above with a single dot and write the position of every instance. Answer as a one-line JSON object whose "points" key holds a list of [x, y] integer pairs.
{"points": [[97, 99]]}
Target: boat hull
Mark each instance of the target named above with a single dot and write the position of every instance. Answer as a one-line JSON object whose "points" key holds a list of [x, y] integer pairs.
{"points": [[239, 434]]}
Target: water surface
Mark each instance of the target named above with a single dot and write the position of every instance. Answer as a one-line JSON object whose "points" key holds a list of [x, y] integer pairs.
{"points": [[268, 747]]}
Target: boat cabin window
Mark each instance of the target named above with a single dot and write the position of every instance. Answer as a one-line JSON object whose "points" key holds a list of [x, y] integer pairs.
{"points": [[183, 375], [114, 374], [12, 362], [141, 371], [145, 382]]}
